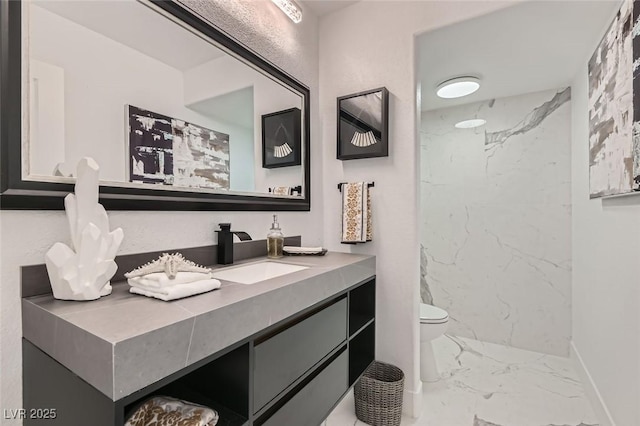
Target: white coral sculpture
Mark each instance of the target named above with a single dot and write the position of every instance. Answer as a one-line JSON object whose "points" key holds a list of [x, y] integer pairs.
{"points": [[83, 273]]}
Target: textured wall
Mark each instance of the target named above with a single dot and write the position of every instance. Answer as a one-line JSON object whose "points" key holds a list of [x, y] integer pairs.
{"points": [[262, 27], [26, 236], [496, 219], [368, 45]]}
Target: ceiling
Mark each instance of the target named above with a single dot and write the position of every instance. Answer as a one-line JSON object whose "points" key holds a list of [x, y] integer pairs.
{"points": [[137, 26], [532, 46], [325, 7], [151, 33]]}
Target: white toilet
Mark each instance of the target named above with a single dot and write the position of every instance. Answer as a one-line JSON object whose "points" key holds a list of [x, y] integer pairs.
{"points": [[433, 323]]}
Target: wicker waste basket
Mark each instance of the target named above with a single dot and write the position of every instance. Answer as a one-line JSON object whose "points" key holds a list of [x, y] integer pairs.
{"points": [[378, 395]]}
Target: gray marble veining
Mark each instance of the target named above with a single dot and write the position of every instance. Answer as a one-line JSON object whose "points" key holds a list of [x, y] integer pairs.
{"points": [[124, 342], [480, 422], [425, 291], [484, 384], [496, 221], [532, 120]]}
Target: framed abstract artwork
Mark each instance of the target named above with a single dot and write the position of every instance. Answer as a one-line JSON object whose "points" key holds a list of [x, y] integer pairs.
{"points": [[363, 125], [167, 151], [614, 108], [281, 137]]}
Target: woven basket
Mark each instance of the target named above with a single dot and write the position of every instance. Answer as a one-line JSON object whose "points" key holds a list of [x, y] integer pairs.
{"points": [[378, 395]]}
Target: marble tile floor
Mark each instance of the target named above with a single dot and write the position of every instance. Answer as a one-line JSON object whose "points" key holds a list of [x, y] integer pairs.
{"points": [[485, 384]]}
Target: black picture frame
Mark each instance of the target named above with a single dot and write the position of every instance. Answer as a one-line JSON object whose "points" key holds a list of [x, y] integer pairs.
{"points": [[17, 193], [281, 137], [363, 125]]}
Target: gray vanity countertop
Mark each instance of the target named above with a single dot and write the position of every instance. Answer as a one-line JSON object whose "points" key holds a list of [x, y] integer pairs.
{"points": [[124, 342]]}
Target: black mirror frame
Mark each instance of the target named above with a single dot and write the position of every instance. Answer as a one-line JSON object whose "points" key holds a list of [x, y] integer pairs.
{"points": [[18, 194]]}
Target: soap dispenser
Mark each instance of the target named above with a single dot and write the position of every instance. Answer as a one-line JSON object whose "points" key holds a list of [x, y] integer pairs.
{"points": [[275, 240]]}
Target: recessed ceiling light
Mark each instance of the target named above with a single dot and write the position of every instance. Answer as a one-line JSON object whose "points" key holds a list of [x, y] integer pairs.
{"points": [[470, 124], [458, 87]]}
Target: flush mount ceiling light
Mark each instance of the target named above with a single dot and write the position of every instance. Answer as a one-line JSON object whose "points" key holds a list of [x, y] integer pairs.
{"points": [[458, 87], [290, 8], [470, 124]]}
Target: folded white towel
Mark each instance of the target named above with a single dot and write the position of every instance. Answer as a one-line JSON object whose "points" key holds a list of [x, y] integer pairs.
{"points": [[160, 279], [178, 291], [295, 249]]}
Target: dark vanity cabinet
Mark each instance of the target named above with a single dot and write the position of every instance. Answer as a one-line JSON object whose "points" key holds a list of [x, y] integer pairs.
{"points": [[291, 373]]}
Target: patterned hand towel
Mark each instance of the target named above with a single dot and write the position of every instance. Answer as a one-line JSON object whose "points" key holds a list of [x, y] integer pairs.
{"points": [[178, 291], [356, 213], [160, 279], [165, 411]]}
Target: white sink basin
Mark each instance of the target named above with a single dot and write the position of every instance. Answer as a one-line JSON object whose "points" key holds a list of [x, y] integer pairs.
{"points": [[256, 272]]}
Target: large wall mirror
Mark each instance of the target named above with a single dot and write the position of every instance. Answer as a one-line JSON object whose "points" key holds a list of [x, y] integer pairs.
{"points": [[171, 109]]}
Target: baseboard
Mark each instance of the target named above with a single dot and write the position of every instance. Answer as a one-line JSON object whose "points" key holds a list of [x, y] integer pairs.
{"points": [[412, 402], [599, 407]]}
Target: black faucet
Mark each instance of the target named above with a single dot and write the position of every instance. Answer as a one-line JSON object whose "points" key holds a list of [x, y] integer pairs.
{"points": [[225, 242]]}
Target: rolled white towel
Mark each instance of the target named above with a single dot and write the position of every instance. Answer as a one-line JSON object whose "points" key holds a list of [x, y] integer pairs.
{"points": [[160, 279], [306, 250], [178, 291]]}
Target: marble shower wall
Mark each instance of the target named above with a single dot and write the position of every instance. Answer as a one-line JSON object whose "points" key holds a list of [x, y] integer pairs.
{"points": [[496, 220]]}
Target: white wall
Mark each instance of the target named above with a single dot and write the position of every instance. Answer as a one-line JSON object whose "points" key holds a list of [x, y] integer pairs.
{"points": [[26, 236], [606, 281], [364, 46], [241, 159], [46, 109], [496, 221]]}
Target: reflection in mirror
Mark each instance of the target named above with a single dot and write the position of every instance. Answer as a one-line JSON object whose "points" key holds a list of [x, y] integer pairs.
{"points": [[363, 122], [281, 139], [157, 105]]}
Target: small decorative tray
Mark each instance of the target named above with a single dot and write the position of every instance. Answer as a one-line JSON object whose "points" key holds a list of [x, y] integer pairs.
{"points": [[318, 253]]}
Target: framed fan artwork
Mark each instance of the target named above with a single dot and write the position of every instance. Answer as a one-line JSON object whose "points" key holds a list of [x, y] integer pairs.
{"points": [[363, 125], [281, 135]]}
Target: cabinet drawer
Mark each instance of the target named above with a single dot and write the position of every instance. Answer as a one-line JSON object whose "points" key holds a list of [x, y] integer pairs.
{"points": [[311, 405], [283, 358]]}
